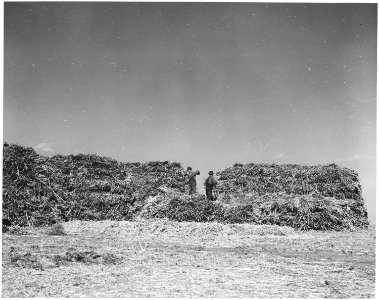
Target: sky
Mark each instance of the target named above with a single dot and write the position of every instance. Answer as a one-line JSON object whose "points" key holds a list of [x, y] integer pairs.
{"points": [[204, 84]]}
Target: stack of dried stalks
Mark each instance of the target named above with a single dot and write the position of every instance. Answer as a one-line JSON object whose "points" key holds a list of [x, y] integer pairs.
{"points": [[329, 180], [184, 208], [304, 197], [303, 212], [40, 190]]}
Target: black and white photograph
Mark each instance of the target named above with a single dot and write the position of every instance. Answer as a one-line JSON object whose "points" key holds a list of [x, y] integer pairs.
{"points": [[189, 149]]}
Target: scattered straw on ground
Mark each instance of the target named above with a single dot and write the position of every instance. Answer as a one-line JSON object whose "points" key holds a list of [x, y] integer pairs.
{"points": [[169, 259]]}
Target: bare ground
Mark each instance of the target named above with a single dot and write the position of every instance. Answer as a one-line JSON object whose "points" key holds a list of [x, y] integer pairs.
{"points": [[169, 259]]}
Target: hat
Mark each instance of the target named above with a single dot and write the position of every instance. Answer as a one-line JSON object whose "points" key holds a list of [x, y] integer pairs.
{"points": [[210, 172], [189, 168]]}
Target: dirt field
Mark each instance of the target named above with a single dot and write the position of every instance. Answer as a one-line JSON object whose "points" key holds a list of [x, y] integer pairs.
{"points": [[168, 259]]}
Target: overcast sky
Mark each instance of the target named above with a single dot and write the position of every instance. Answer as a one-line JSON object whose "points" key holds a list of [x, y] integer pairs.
{"points": [[205, 84]]}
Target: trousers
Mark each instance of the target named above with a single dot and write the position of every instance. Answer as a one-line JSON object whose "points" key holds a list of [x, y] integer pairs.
{"points": [[208, 192], [192, 188]]}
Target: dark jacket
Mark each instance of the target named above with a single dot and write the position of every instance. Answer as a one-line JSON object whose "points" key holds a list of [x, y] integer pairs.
{"points": [[210, 182], [192, 176]]}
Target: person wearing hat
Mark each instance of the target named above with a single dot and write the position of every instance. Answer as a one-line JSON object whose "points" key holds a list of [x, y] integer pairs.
{"points": [[192, 180], [210, 183]]}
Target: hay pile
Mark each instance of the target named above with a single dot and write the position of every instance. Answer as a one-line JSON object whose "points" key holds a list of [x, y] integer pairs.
{"points": [[303, 212], [303, 197], [39, 190], [183, 208], [329, 180]]}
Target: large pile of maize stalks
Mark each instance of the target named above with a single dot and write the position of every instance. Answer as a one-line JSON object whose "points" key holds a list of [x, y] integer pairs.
{"points": [[303, 212], [39, 190], [328, 180], [304, 197]]}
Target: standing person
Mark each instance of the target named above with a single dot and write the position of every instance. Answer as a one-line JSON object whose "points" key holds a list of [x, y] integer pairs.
{"points": [[210, 183], [192, 180], [306, 188]]}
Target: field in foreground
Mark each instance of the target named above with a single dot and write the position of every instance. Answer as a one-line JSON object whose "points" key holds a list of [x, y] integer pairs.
{"points": [[170, 259]]}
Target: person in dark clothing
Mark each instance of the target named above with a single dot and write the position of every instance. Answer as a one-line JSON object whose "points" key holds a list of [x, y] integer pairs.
{"points": [[192, 180], [210, 183]]}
